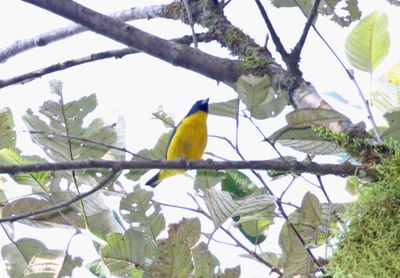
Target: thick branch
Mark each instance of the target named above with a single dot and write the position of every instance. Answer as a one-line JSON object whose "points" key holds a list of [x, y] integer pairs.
{"points": [[193, 59], [346, 169], [43, 39]]}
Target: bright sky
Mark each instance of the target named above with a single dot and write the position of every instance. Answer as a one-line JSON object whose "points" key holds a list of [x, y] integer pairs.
{"points": [[135, 86]]}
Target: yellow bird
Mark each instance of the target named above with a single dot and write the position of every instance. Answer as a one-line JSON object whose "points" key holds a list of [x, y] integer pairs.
{"points": [[187, 141]]}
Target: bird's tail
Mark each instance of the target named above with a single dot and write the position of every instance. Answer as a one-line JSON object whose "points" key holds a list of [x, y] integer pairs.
{"points": [[154, 181]]}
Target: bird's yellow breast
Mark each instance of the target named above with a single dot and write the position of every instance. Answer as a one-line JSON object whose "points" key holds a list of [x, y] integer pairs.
{"points": [[190, 138]]}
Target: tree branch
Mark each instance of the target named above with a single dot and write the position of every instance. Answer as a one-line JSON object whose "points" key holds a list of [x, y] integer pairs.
{"points": [[43, 39], [275, 38], [104, 182], [345, 169], [117, 53], [193, 59]]}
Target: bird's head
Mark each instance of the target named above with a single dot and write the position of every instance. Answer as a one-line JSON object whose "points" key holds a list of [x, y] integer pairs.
{"points": [[200, 105]]}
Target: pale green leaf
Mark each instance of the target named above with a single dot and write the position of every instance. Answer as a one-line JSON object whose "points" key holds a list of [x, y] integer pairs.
{"points": [[222, 206], [259, 98], [35, 179], [7, 133], [175, 252], [233, 272], [100, 217], [224, 109], [136, 207], [158, 152], [304, 5], [307, 117], [304, 140], [15, 263], [204, 262], [65, 123], [316, 222], [207, 178], [272, 105], [295, 259], [343, 14], [368, 43], [164, 117], [20, 254], [393, 75], [99, 268], [46, 263], [129, 249], [385, 96], [393, 132]]}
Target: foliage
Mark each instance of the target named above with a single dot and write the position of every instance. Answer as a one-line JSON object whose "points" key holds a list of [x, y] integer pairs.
{"points": [[136, 239], [373, 224]]}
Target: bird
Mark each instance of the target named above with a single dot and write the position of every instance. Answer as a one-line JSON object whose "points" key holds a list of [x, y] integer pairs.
{"points": [[187, 141]]}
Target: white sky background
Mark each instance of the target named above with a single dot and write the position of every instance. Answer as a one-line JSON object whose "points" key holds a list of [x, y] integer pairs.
{"points": [[135, 86]]}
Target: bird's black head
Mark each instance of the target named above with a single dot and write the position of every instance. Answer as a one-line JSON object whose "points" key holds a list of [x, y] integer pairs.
{"points": [[200, 105]]}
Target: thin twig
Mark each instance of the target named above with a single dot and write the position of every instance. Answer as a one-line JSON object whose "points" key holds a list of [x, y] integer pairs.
{"points": [[287, 188], [275, 38], [295, 54], [191, 23], [322, 187], [116, 53], [104, 182]]}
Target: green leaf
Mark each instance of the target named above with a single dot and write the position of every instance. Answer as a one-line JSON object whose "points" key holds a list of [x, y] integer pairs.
{"points": [[65, 123], [225, 109], [99, 269], [255, 230], [393, 132], [307, 117], [175, 252], [385, 95], [233, 272], [353, 185], [304, 140], [295, 259], [222, 206], [393, 75], [46, 263], [35, 179], [259, 97], [157, 152], [204, 262], [368, 43], [314, 221], [135, 207], [100, 217], [7, 134], [343, 14], [20, 254], [238, 184], [128, 250], [207, 179], [164, 117]]}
